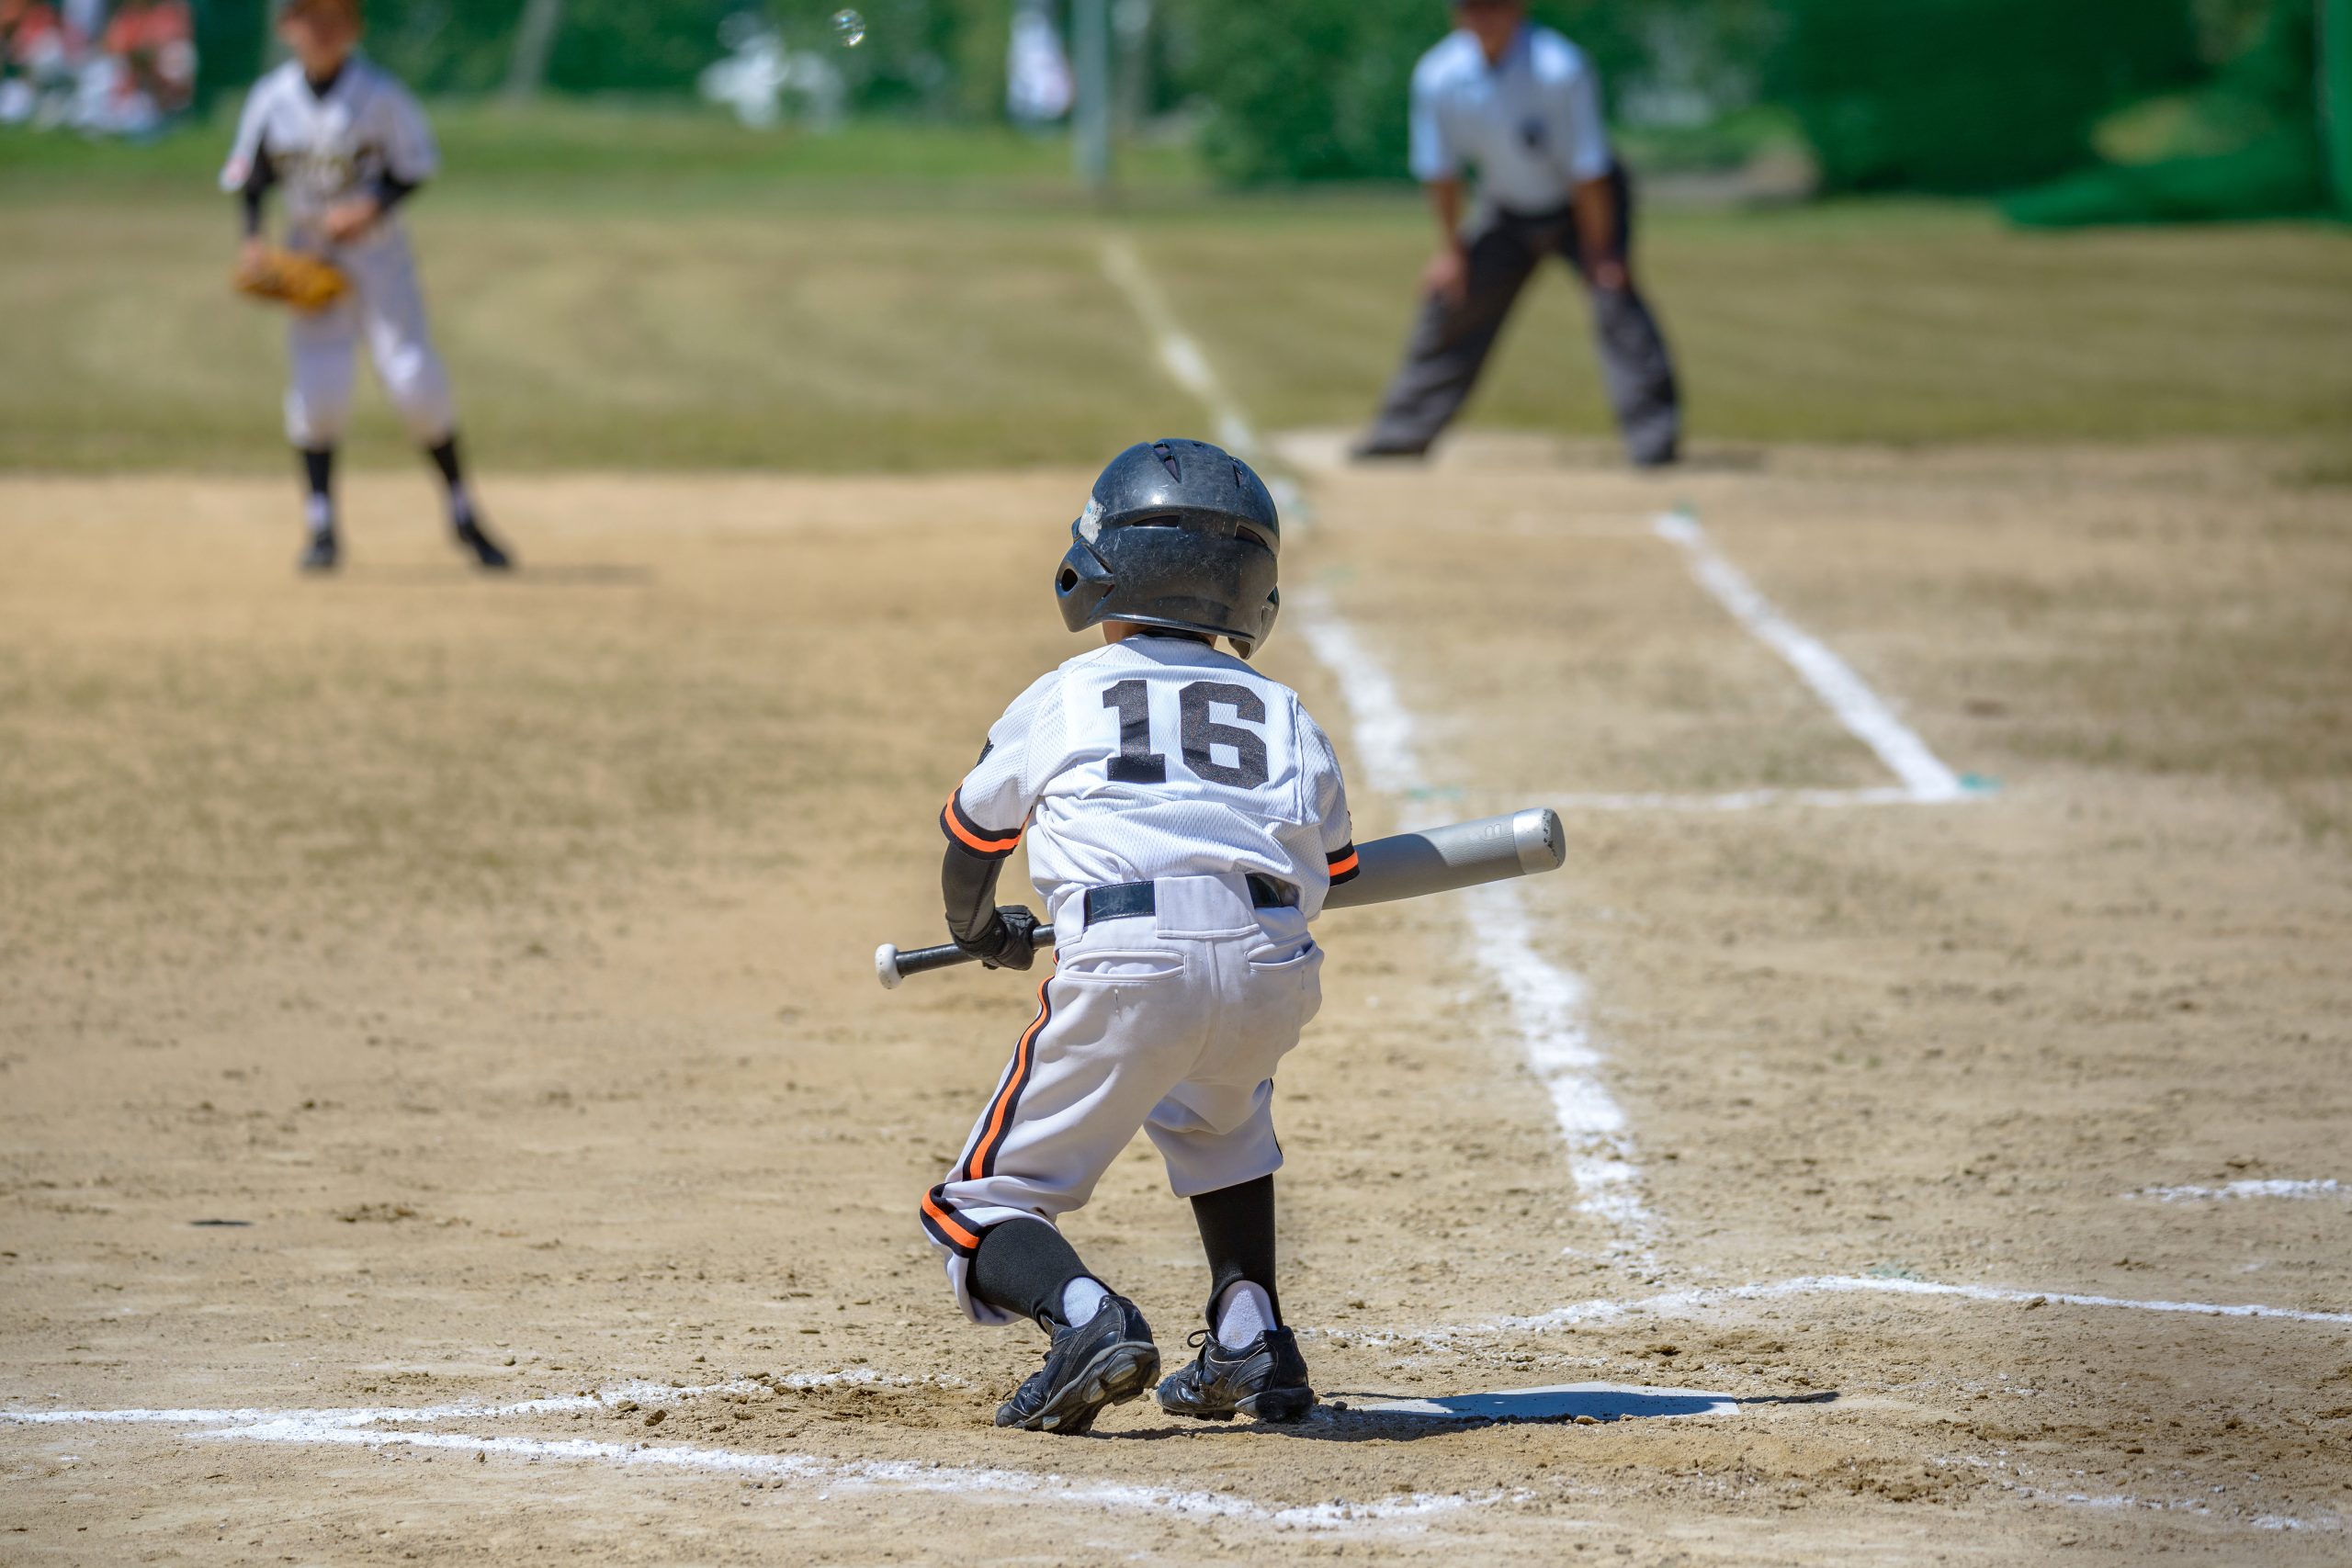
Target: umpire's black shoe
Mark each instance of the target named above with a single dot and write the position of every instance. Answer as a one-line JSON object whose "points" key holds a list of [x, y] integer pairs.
{"points": [[1107, 1360], [486, 549], [323, 553], [1265, 1380], [1370, 451]]}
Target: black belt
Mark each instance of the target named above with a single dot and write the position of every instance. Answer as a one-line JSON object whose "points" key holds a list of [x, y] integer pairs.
{"points": [[1128, 899]]}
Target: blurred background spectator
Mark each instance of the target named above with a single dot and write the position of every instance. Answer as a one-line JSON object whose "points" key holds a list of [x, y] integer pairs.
{"points": [[37, 57], [127, 74]]}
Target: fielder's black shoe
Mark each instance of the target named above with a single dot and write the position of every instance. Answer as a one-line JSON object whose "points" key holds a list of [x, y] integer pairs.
{"points": [[1265, 1380], [1107, 1360], [323, 552], [1370, 451], [485, 548]]}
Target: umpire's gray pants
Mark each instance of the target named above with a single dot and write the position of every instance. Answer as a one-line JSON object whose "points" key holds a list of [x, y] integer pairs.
{"points": [[1450, 343]]}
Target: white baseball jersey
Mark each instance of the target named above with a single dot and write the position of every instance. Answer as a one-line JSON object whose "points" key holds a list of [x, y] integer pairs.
{"points": [[1153, 757], [1532, 124], [328, 148]]}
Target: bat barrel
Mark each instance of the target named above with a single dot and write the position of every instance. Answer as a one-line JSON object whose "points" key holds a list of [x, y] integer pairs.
{"points": [[1462, 855]]}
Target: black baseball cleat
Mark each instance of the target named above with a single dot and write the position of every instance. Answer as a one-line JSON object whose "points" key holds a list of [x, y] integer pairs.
{"points": [[1107, 1360], [486, 549], [323, 552], [1265, 1380], [1370, 451]]}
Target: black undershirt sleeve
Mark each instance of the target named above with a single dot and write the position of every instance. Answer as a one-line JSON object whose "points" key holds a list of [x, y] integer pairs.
{"points": [[391, 191], [968, 881], [262, 175]]}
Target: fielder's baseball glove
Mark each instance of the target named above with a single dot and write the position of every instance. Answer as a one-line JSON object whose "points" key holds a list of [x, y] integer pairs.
{"points": [[290, 279]]}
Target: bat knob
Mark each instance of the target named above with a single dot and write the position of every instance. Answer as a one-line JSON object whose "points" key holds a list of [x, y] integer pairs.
{"points": [[886, 966]]}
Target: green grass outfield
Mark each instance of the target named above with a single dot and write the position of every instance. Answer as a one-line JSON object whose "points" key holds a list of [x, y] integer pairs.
{"points": [[648, 290]]}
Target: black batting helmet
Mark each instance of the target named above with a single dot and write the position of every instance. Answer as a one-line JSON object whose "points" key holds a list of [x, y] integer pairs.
{"points": [[1177, 533]]}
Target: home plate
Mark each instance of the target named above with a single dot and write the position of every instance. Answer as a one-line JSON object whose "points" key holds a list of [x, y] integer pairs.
{"points": [[1559, 1401]]}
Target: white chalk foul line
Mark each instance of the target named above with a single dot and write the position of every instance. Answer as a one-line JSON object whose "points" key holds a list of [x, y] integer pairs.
{"points": [[1190, 368], [1178, 354], [1673, 1302], [1859, 708], [1548, 1001], [2230, 1190], [362, 1429]]}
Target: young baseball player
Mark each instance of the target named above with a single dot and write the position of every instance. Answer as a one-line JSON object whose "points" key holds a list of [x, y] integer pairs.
{"points": [[1185, 818], [348, 145]]}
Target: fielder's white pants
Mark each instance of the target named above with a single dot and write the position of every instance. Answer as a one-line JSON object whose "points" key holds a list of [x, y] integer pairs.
{"points": [[386, 305], [1172, 1023]]}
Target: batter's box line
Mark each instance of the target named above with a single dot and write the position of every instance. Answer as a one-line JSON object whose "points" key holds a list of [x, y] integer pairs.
{"points": [[1868, 717], [814, 1475]]}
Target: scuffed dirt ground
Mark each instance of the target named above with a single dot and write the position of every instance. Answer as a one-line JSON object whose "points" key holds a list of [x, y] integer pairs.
{"points": [[498, 955]]}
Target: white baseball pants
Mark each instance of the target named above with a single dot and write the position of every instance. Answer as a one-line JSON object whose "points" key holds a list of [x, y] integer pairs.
{"points": [[386, 305], [1171, 1023]]}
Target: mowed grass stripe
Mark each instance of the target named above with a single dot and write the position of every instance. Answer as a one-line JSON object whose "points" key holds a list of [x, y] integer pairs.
{"points": [[856, 344], [1898, 322], [664, 291]]}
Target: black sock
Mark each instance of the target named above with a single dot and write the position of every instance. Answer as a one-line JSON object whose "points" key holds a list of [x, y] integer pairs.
{"points": [[1022, 1267], [317, 473], [445, 458], [1237, 1232], [453, 474]]}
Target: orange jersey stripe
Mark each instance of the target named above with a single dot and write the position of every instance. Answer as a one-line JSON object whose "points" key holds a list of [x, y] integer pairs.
{"points": [[1341, 868]]}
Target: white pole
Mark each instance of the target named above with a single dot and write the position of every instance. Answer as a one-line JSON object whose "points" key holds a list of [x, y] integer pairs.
{"points": [[1090, 44], [533, 41]]}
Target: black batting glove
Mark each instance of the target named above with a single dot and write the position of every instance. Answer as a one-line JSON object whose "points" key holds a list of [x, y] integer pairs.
{"points": [[1008, 941]]}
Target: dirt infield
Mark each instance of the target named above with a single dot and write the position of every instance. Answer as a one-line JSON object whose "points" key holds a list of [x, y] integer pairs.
{"points": [[442, 1081]]}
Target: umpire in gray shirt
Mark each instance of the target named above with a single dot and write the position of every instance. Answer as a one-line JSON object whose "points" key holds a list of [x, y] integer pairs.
{"points": [[1519, 103]]}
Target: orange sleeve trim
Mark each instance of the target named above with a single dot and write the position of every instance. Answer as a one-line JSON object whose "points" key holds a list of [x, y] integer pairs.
{"points": [[971, 835]]}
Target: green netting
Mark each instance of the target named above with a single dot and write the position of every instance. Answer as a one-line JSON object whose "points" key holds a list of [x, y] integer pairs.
{"points": [[2333, 41], [1969, 95], [2266, 105]]}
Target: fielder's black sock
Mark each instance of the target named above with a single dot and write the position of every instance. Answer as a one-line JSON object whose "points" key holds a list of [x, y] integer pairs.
{"points": [[1025, 1267], [453, 474], [317, 473], [1237, 1232]]}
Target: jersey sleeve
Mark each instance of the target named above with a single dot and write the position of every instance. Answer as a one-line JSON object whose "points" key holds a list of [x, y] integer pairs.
{"points": [[1329, 791], [410, 155], [246, 151], [1578, 91], [1433, 157], [989, 811]]}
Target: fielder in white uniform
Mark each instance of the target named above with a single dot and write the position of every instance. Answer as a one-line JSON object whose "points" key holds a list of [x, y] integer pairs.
{"points": [[1185, 818], [347, 145]]}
